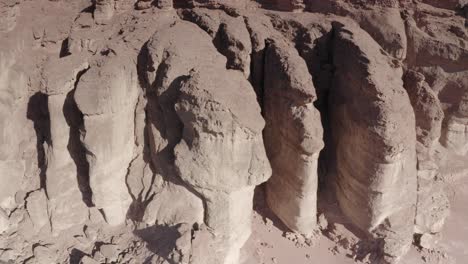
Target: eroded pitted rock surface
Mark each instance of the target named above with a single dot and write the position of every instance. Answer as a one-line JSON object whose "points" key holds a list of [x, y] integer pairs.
{"points": [[139, 131]]}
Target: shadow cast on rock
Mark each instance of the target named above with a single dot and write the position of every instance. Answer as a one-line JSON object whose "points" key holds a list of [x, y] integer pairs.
{"points": [[160, 239]]}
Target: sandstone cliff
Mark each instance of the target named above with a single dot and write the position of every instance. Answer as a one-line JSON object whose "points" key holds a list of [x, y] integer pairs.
{"points": [[144, 131]]}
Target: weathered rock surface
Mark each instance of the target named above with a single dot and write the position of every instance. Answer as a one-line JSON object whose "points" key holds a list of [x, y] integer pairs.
{"points": [[138, 131], [9, 10], [209, 122], [106, 95], [229, 36], [432, 206], [293, 137], [373, 129]]}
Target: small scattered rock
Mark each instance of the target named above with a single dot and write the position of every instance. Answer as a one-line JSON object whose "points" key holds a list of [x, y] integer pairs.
{"points": [[88, 260], [322, 222]]}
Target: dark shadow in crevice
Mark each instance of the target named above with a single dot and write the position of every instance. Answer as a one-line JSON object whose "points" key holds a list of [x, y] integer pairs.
{"points": [[318, 55], [38, 113], [75, 121], [64, 48], [182, 4], [144, 65], [161, 240], [89, 9], [75, 256], [161, 115]]}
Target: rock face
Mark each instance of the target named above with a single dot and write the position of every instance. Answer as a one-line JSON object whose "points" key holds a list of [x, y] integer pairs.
{"points": [[208, 122], [65, 171], [293, 137], [373, 127], [455, 135], [140, 131], [106, 95], [9, 10], [433, 206], [230, 39]]}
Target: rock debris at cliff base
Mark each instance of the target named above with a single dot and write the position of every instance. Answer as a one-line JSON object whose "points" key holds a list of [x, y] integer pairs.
{"points": [[233, 132]]}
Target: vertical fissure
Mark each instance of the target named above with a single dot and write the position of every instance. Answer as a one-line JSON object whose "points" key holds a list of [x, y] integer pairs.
{"points": [[38, 113], [75, 120]]}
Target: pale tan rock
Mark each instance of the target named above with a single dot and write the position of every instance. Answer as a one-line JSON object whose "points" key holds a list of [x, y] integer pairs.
{"points": [[164, 126], [4, 221], [433, 41], [168, 128], [455, 132], [9, 11], [43, 255], [373, 129], [103, 11], [220, 133], [186, 208], [109, 251], [293, 138], [18, 153], [227, 165], [386, 27], [432, 206], [59, 75], [88, 260], [36, 206], [427, 108], [107, 95], [428, 241], [144, 4], [229, 35], [64, 173], [204, 140], [11, 172]]}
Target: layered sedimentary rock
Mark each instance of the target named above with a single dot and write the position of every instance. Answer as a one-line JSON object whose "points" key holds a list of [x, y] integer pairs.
{"points": [[373, 129], [293, 137], [162, 117]]}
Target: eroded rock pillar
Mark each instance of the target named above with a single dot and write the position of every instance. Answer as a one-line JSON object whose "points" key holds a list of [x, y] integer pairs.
{"points": [[293, 137], [107, 94], [374, 137]]}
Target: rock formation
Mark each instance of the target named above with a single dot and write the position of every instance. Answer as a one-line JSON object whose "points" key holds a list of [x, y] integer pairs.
{"points": [[293, 137], [140, 131], [374, 137]]}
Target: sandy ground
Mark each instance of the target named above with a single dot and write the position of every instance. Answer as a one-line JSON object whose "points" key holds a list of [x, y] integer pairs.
{"points": [[270, 244]]}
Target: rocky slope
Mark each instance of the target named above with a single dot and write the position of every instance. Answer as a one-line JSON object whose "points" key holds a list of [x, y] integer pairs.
{"points": [[141, 131]]}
